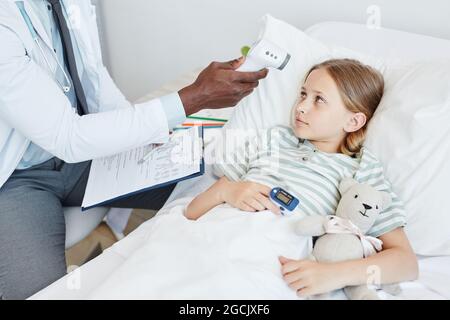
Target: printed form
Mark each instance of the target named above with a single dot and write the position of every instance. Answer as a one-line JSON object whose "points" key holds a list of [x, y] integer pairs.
{"points": [[122, 174]]}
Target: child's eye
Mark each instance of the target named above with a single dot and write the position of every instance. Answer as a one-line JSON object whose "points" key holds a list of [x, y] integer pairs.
{"points": [[303, 94], [320, 99]]}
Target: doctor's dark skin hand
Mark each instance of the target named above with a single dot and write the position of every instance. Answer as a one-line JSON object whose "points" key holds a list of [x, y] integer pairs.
{"points": [[220, 86]]}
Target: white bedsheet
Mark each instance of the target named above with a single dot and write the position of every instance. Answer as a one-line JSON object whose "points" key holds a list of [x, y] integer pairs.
{"points": [[226, 254], [230, 254]]}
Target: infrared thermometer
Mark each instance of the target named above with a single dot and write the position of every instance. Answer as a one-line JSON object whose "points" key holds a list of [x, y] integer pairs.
{"points": [[264, 54]]}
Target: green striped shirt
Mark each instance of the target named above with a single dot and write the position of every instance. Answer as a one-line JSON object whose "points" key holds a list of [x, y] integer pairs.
{"points": [[278, 158]]}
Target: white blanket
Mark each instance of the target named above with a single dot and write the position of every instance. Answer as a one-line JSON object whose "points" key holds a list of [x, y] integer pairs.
{"points": [[226, 254]]}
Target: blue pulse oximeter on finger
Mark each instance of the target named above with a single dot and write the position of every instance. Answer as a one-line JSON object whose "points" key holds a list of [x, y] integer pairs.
{"points": [[283, 199]]}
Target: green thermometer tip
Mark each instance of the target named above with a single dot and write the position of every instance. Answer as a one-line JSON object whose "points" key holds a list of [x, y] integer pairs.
{"points": [[245, 50]]}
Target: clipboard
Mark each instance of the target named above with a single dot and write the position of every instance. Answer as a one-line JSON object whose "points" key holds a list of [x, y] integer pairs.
{"points": [[107, 183]]}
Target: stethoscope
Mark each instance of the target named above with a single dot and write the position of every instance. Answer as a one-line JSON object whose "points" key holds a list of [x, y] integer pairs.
{"points": [[66, 88]]}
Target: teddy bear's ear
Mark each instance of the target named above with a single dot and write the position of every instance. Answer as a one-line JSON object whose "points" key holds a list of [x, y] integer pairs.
{"points": [[387, 199], [346, 184]]}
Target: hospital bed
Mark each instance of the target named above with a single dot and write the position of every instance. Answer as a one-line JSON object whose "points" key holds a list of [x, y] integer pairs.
{"points": [[434, 279]]}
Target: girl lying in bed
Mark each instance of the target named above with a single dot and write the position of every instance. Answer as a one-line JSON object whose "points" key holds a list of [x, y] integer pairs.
{"points": [[309, 159]]}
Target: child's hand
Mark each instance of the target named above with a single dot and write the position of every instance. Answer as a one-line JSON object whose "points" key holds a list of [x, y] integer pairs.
{"points": [[309, 278], [248, 196]]}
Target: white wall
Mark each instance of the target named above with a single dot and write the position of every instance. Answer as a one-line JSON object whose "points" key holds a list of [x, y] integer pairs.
{"points": [[149, 42]]}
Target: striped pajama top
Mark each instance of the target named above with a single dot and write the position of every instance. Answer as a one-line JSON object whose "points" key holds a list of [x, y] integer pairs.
{"points": [[278, 158]]}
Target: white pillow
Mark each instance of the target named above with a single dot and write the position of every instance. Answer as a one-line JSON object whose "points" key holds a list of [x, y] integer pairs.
{"points": [[405, 125], [410, 134]]}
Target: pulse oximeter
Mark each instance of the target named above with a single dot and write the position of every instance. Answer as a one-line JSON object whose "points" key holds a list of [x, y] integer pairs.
{"points": [[283, 199]]}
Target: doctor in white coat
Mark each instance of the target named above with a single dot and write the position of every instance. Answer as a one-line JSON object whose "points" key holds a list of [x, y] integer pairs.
{"points": [[59, 109]]}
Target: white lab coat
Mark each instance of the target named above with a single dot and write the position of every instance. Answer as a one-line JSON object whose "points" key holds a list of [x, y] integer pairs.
{"points": [[34, 108]]}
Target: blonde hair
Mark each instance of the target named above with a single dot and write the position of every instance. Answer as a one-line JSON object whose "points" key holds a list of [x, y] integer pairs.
{"points": [[361, 88]]}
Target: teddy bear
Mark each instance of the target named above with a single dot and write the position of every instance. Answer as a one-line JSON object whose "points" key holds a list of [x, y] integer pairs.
{"points": [[343, 236]]}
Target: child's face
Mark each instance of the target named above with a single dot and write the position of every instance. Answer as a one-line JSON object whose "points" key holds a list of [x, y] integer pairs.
{"points": [[320, 113]]}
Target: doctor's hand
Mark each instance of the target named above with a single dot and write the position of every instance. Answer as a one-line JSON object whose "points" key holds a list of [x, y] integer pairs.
{"points": [[220, 86]]}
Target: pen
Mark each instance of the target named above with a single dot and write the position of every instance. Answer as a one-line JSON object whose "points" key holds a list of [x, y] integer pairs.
{"points": [[207, 127], [202, 124], [207, 119]]}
